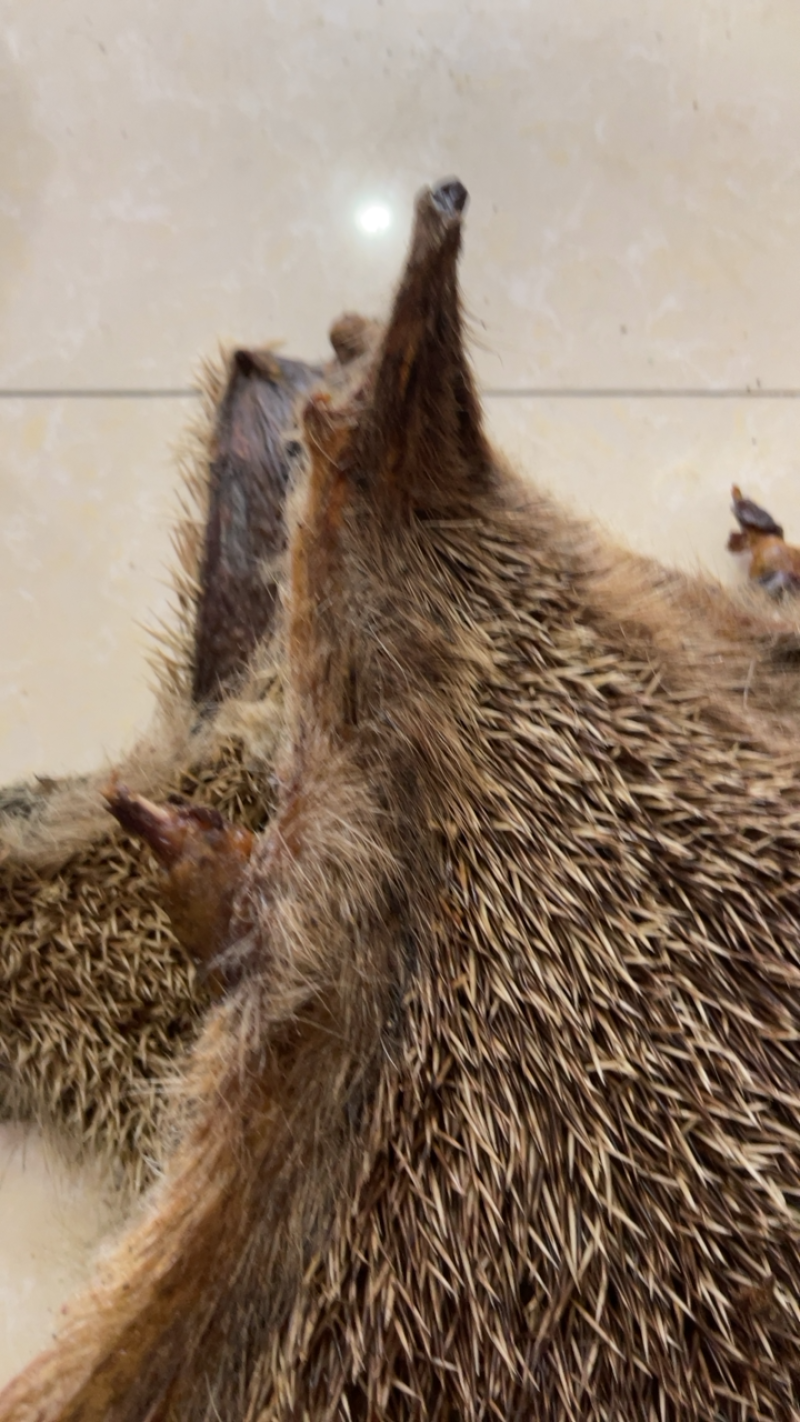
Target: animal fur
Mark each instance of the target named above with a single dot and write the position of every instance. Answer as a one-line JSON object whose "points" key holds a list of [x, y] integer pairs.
{"points": [[97, 999], [502, 1119], [98, 1002]]}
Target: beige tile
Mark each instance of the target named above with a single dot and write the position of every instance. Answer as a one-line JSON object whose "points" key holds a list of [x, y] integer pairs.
{"points": [[171, 173], [51, 1224], [657, 474], [87, 489]]}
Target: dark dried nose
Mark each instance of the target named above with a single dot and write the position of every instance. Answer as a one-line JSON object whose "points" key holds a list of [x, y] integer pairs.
{"points": [[450, 196]]}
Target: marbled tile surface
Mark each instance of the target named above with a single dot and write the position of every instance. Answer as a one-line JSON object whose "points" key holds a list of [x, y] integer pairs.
{"points": [[657, 473], [51, 1222], [178, 171], [172, 174], [86, 498]]}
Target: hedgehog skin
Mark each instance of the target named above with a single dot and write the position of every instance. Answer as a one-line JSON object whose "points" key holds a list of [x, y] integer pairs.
{"points": [[97, 1000], [502, 1119]]}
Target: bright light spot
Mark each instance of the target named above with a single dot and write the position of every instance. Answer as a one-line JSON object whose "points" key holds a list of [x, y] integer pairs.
{"points": [[374, 219]]}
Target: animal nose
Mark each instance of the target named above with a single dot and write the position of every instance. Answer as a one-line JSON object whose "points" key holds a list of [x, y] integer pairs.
{"points": [[450, 196]]}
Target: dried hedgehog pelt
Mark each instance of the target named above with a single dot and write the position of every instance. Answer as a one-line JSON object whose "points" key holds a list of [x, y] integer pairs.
{"points": [[503, 1118], [97, 1000]]}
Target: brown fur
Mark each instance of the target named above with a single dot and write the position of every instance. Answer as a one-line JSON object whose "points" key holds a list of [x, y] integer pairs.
{"points": [[98, 1002], [503, 1118]]}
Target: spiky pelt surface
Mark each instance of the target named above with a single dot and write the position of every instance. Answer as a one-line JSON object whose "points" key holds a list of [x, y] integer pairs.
{"points": [[97, 999], [502, 1119]]}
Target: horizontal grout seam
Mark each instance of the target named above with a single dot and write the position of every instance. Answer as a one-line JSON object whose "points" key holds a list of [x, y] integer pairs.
{"points": [[190, 393]]}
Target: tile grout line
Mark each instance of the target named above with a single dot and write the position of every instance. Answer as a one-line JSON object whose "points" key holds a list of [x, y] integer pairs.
{"points": [[123, 393]]}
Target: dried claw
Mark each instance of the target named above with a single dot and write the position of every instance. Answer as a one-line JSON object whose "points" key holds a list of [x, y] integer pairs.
{"points": [[204, 859], [774, 564], [750, 515]]}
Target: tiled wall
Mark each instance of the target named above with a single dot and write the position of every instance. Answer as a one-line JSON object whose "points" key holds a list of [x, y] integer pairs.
{"points": [[172, 173]]}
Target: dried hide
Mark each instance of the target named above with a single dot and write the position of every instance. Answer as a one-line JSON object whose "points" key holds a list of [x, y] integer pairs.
{"points": [[502, 1119], [97, 999]]}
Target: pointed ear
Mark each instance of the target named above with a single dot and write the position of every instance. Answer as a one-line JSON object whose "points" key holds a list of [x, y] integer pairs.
{"points": [[419, 432]]}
